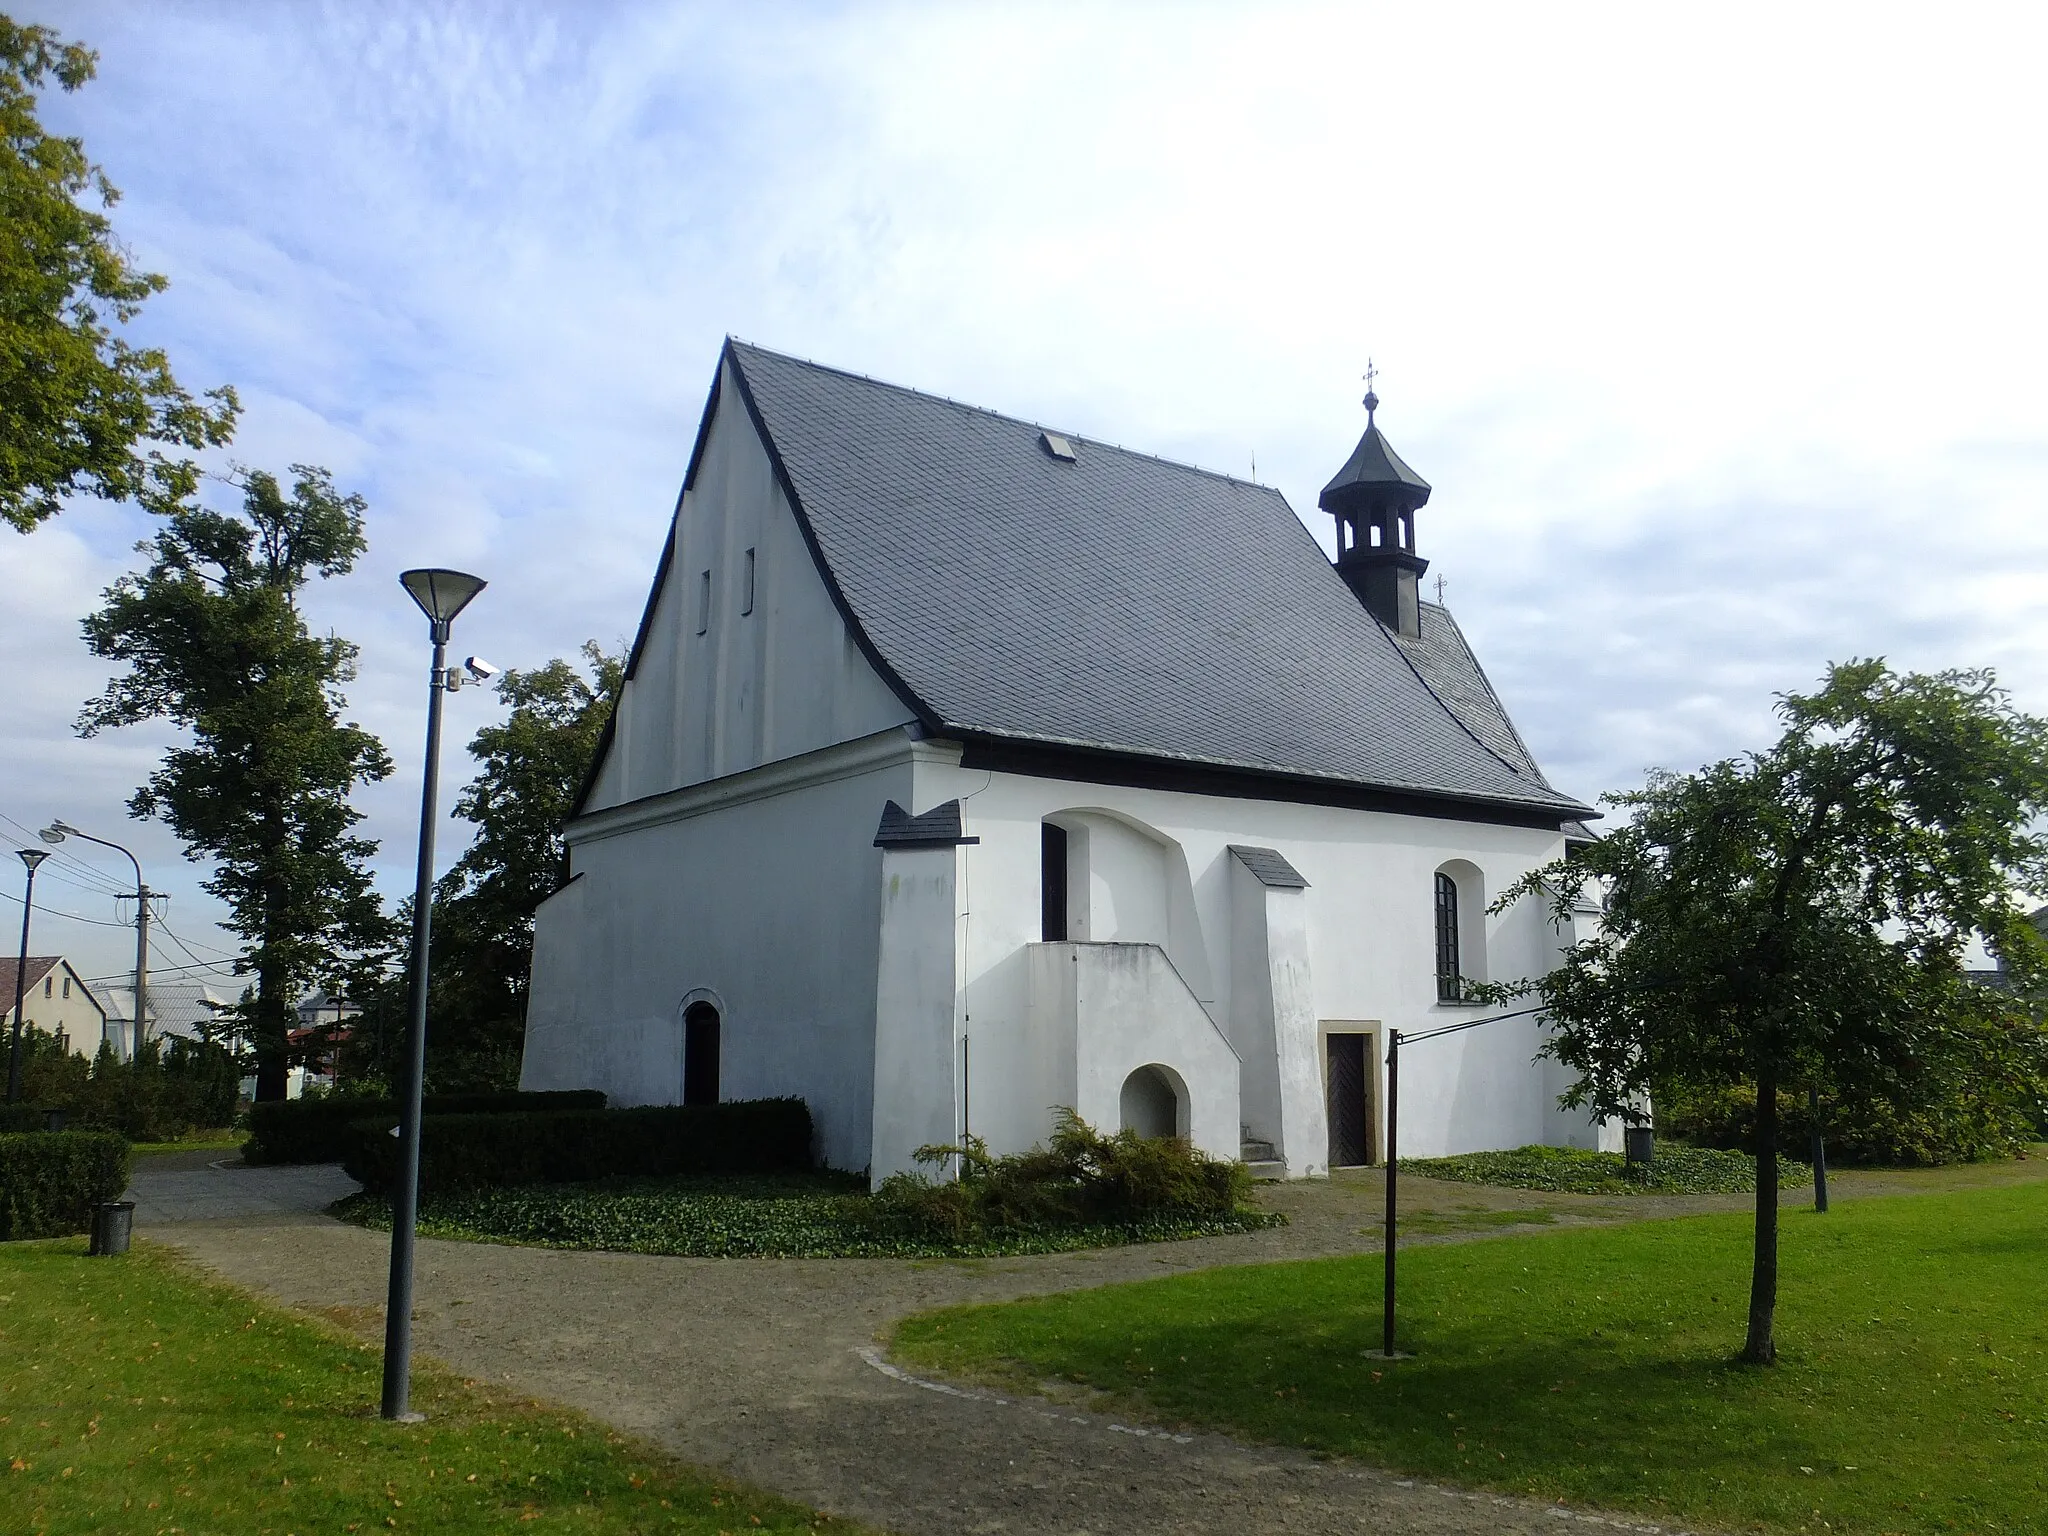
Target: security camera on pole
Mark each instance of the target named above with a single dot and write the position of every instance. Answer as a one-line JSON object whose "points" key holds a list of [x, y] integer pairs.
{"points": [[441, 596]]}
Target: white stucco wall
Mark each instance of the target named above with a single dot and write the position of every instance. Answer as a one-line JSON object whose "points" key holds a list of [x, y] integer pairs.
{"points": [[760, 893], [1367, 933], [755, 687], [916, 1016]]}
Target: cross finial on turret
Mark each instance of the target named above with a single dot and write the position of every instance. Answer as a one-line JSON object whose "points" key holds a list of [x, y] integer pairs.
{"points": [[1372, 401]]}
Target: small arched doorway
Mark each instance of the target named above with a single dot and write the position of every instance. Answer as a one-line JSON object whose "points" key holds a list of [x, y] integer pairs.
{"points": [[700, 1054], [1150, 1103]]}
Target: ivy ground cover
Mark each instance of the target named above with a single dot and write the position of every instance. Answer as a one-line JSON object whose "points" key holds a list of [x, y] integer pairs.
{"points": [[796, 1216], [136, 1397], [1677, 1169], [1594, 1365]]}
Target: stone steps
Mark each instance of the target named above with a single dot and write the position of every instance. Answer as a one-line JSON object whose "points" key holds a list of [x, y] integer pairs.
{"points": [[1260, 1158]]}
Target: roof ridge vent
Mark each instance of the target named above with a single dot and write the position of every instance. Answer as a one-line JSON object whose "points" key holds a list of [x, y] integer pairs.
{"points": [[1059, 447]]}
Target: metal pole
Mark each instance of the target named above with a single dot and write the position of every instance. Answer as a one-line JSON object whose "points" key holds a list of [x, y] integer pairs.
{"points": [[405, 1198], [1820, 1151], [21, 979], [141, 962], [1393, 1162]]}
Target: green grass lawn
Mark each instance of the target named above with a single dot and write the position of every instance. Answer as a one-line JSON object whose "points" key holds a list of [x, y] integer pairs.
{"points": [[1677, 1169], [728, 1216], [198, 1141], [1594, 1365], [135, 1397]]}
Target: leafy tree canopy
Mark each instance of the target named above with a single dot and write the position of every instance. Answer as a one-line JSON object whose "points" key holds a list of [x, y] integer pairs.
{"points": [[215, 642], [1801, 916], [75, 398], [531, 766]]}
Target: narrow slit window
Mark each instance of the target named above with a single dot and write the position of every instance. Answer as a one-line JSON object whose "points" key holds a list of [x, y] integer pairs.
{"points": [[704, 602], [1448, 989], [1052, 883], [747, 587]]}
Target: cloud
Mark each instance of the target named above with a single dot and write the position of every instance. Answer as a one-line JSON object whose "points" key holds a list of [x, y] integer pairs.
{"points": [[1714, 333]]}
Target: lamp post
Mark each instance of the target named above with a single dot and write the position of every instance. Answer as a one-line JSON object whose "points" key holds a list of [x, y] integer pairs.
{"points": [[55, 833], [441, 595], [31, 857]]}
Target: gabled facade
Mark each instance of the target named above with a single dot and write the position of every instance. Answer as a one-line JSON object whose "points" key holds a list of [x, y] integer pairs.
{"points": [[56, 1000], [966, 769]]}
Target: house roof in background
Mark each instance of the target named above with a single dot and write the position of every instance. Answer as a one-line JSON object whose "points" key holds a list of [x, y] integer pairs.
{"points": [[39, 966], [1117, 603]]}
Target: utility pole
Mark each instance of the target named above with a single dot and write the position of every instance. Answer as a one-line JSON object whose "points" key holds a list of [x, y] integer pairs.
{"points": [[55, 833], [142, 897]]}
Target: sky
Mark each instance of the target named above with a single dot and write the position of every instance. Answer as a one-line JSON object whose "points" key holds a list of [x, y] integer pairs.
{"points": [[1716, 329]]}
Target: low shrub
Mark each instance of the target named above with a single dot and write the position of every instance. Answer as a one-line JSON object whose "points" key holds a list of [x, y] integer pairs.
{"points": [[765, 1216], [177, 1086], [1677, 1170], [1080, 1177], [317, 1130], [51, 1180], [15, 1118], [1981, 1123], [568, 1146]]}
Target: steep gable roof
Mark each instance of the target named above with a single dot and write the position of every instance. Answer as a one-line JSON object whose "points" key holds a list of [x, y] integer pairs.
{"points": [[1117, 602], [1111, 602]]}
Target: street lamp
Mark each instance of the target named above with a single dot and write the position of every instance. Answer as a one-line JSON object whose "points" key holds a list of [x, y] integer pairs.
{"points": [[55, 833], [441, 595], [31, 857]]}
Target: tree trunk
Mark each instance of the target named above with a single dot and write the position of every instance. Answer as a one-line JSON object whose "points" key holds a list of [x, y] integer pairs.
{"points": [[269, 1037], [1760, 1348]]}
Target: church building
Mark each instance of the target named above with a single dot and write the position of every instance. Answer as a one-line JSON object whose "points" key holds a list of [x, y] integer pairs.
{"points": [[967, 769]]}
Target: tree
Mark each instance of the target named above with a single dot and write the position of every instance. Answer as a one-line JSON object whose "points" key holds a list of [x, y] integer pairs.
{"points": [[533, 764], [1799, 917], [76, 399], [215, 642]]}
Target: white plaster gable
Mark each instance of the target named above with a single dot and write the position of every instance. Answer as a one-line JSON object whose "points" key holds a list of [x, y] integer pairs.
{"points": [[719, 684]]}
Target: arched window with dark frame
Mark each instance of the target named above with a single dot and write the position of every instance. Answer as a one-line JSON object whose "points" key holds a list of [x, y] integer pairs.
{"points": [[700, 1054], [1448, 989]]}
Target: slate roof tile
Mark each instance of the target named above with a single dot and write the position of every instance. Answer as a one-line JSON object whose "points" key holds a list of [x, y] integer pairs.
{"points": [[1119, 602]]}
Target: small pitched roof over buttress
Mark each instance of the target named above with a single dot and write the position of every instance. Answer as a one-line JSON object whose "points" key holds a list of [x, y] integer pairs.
{"points": [[1112, 602]]}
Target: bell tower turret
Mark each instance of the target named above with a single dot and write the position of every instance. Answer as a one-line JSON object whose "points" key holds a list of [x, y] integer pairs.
{"points": [[1374, 498]]}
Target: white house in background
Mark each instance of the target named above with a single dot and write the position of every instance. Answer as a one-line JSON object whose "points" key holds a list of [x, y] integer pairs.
{"points": [[57, 1000], [966, 769]]}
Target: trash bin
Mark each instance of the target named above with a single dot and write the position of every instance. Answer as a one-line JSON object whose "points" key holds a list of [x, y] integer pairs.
{"points": [[112, 1225], [53, 1119], [1639, 1144]]}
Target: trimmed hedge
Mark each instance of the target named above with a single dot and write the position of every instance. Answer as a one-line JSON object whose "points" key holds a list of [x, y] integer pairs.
{"points": [[23, 1117], [51, 1180], [571, 1146], [317, 1130]]}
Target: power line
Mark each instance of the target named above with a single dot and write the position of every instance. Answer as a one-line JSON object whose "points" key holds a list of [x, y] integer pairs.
{"points": [[225, 954], [111, 886], [75, 917], [155, 970]]}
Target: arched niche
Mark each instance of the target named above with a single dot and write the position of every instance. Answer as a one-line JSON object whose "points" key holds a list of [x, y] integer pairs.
{"points": [[1153, 1102]]}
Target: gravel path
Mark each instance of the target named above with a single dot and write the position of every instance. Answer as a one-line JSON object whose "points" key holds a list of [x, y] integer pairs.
{"points": [[767, 1369]]}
